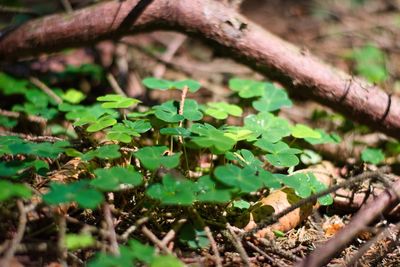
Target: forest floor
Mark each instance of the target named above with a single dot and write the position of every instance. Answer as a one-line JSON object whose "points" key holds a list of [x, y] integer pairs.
{"points": [[350, 35]]}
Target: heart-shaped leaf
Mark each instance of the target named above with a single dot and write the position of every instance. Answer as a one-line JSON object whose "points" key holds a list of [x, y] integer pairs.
{"points": [[9, 190], [101, 123], [110, 179], [168, 112], [73, 96], [172, 191], [273, 99], [176, 131], [324, 139], [152, 157], [207, 190], [244, 180], [103, 152], [303, 131], [247, 88], [117, 101], [79, 192], [268, 126], [210, 137], [162, 84], [372, 155], [221, 110], [281, 155]]}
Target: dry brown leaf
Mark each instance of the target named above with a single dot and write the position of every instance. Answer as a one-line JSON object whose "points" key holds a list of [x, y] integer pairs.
{"points": [[282, 199]]}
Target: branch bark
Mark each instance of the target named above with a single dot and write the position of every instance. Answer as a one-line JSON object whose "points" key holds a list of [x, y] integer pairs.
{"points": [[295, 68]]}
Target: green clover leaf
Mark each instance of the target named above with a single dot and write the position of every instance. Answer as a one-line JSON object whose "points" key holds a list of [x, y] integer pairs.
{"points": [[175, 131], [210, 137], [237, 133], [79, 192], [73, 96], [9, 190], [273, 99], [103, 152], [128, 256], [97, 124], [324, 139], [78, 241], [191, 84], [305, 184], [370, 63], [172, 191], [110, 179], [16, 168], [45, 149], [221, 110], [245, 158], [267, 125], [162, 84], [152, 157], [124, 132], [303, 131], [119, 132], [281, 155], [207, 190], [117, 101], [372, 155], [195, 238], [166, 261], [169, 111], [244, 179], [247, 88]]}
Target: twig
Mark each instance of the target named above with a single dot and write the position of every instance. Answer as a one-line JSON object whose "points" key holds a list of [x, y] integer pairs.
{"points": [[272, 247], [112, 236], [214, 247], [51, 139], [133, 228], [17, 115], [45, 89], [67, 6], [322, 254], [273, 261], [274, 218], [172, 48], [61, 248], [114, 84], [19, 235], [235, 240], [20, 10], [361, 251], [152, 237], [171, 233], [181, 108]]}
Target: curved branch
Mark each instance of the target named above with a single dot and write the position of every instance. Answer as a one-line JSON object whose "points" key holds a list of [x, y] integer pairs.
{"points": [[295, 68]]}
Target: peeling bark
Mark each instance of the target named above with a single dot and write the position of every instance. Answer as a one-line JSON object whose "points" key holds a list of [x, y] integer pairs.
{"points": [[295, 68]]}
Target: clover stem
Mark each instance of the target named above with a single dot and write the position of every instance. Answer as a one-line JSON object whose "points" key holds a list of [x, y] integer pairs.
{"points": [[186, 157], [181, 107]]}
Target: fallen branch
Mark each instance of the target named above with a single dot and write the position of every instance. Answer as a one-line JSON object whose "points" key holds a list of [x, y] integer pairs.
{"points": [[295, 68], [324, 253]]}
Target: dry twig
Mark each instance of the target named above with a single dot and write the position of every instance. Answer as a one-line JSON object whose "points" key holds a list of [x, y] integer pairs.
{"points": [[214, 247], [322, 254], [112, 236], [235, 240], [9, 254]]}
